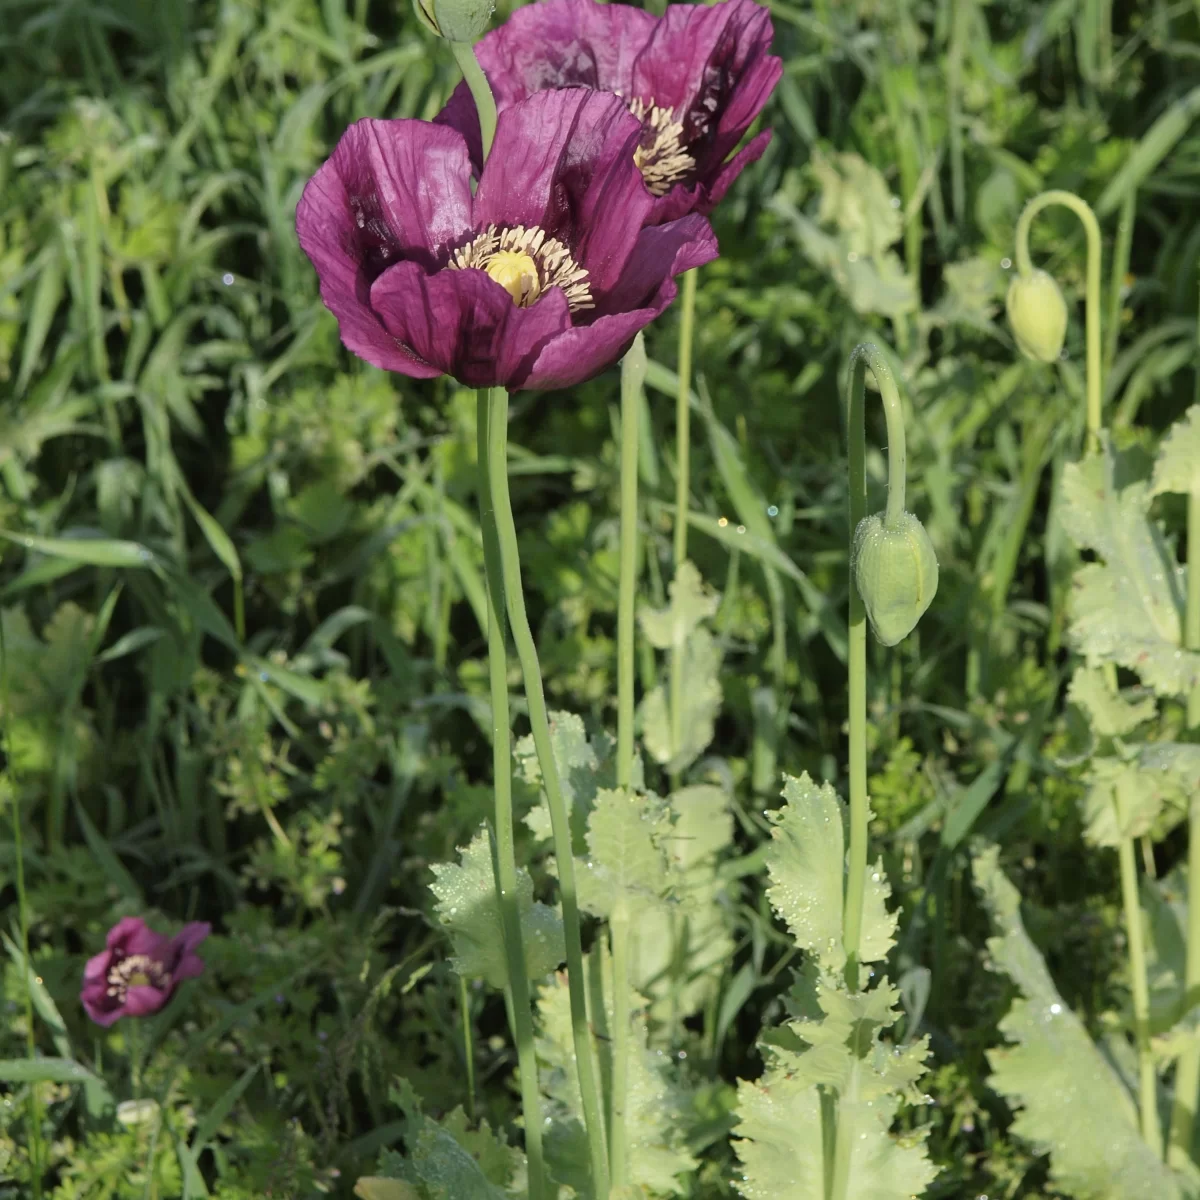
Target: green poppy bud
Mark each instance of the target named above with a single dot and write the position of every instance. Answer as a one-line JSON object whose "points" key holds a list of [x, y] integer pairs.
{"points": [[1037, 314], [896, 572], [456, 20]]}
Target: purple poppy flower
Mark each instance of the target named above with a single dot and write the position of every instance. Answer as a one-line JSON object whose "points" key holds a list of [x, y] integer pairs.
{"points": [[138, 971], [539, 280], [696, 78]]}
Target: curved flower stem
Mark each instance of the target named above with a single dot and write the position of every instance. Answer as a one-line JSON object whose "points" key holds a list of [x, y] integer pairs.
{"points": [[633, 372], [622, 1016], [510, 559], [1025, 265], [864, 356], [481, 92], [505, 842], [683, 445]]}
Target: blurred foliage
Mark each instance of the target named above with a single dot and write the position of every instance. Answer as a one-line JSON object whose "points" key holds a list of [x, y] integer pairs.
{"points": [[240, 594]]}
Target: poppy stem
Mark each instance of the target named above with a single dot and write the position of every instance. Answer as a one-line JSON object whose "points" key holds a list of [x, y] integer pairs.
{"points": [[504, 844], [1092, 309], [633, 372], [683, 446], [481, 92], [585, 1055], [864, 356]]}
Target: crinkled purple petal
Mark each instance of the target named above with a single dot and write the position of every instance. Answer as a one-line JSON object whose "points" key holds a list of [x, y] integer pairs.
{"points": [[466, 325], [391, 191], [711, 64], [702, 198], [551, 45], [189, 937], [96, 967], [563, 161], [141, 1001], [131, 935], [97, 1010], [644, 290], [661, 253]]}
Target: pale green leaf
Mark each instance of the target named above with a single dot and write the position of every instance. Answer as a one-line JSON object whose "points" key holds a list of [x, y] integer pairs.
{"points": [[1128, 608], [788, 1137], [856, 199], [656, 1109], [974, 288], [626, 861], [680, 951], [700, 664], [1070, 1102], [1109, 713], [375, 1187], [806, 864], [691, 604], [1177, 467], [468, 910], [1146, 790]]}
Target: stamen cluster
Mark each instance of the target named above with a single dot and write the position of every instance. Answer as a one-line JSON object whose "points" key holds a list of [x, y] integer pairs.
{"points": [[660, 156], [547, 264]]}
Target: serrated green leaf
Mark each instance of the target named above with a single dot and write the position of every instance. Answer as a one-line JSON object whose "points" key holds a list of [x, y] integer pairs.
{"points": [[1177, 467], [680, 951], [700, 663], [1109, 713], [656, 1108], [806, 864], [584, 766], [467, 908], [856, 199], [691, 604], [626, 861], [1127, 609], [789, 1137], [1071, 1103], [1146, 790]]}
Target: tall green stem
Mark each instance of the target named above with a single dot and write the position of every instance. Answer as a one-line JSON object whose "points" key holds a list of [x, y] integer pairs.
{"points": [[1147, 1082], [593, 1112], [1116, 276], [683, 445], [622, 1017], [1025, 265], [633, 374], [481, 93], [864, 356], [505, 842]]}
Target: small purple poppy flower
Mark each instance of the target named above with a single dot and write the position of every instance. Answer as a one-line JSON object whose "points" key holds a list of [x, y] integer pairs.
{"points": [[539, 280], [139, 970], [695, 77]]}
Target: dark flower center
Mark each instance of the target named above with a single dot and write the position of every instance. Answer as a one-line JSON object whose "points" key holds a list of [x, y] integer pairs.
{"points": [[660, 155], [136, 970], [525, 263]]}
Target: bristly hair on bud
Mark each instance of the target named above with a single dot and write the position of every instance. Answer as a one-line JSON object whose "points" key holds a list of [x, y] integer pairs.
{"points": [[455, 20]]}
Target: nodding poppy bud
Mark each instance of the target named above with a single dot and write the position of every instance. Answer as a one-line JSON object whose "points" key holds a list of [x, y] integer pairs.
{"points": [[455, 20], [896, 572], [1037, 314]]}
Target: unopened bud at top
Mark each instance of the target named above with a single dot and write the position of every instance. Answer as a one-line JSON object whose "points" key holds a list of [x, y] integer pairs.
{"points": [[1037, 314], [455, 20], [896, 572]]}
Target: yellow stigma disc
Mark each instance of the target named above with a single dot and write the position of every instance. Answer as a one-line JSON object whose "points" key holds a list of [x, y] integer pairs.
{"points": [[517, 274]]}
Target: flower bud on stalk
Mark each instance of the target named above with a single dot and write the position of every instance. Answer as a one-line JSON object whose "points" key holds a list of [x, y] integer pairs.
{"points": [[896, 573], [1037, 313], [455, 20]]}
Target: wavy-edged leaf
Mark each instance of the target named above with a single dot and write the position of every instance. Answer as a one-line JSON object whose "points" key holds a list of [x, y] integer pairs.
{"points": [[700, 662], [626, 861], [1146, 790], [1177, 466], [655, 1110], [1070, 1102], [1109, 713], [1128, 608], [691, 605], [806, 864], [469, 912]]}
